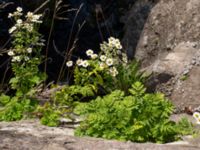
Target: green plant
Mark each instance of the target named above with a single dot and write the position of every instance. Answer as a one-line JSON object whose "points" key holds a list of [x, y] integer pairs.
{"points": [[100, 69], [25, 58], [184, 127], [63, 103], [26, 52], [129, 74], [15, 108], [139, 117], [94, 76]]}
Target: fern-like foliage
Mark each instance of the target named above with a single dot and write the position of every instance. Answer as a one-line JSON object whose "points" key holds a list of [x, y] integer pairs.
{"points": [[139, 117]]}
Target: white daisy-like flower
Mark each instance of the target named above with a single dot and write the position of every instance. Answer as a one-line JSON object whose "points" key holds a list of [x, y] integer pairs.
{"points": [[124, 58], [89, 52], [36, 18], [109, 62], [102, 57], [17, 13], [198, 121], [19, 9], [26, 58], [16, 59], [111, 40], [19, 22], [79, 62], [102, 65], [10, 15], [196, 115], [85, 64], [103, 47], [11, 53], [12, 29], [69, 63], [29, 50], [94, 56], [118, 46], [28, 26], [113, 71], [29, 15]]}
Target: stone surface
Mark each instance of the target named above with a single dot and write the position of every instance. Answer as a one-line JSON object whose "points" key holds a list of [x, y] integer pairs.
{"points": [[30, 135], [167, 44]]}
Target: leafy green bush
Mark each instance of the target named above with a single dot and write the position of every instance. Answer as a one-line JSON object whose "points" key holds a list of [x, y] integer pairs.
{"points": [[15, 108], [99, 75], [139, 117]]}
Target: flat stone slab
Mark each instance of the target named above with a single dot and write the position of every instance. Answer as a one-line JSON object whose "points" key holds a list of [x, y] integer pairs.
{"points": [[31, 135]]}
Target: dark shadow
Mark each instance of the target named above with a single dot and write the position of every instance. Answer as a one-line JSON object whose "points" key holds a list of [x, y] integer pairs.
{"points": [[100, 19], [135, 21]]}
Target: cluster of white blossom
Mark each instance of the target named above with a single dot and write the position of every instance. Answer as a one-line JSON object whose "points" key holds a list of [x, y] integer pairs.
{"points": [[79, 62], [91, 54], [17, 13], [18, 56], [110, 56], [113, 49], [28, 24], [24, 53], [35, 18], [196, 115]]}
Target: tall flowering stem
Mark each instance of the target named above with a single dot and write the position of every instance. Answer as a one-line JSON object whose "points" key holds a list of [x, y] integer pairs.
{"points": [[26, 51]]}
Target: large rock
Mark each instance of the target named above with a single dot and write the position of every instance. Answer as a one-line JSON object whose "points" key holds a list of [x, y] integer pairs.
{"points": [[29, 135], [168, 46]]}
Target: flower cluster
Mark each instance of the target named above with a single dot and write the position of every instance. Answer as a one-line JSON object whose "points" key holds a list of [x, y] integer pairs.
{"points": [[25, 35], [113, 49], [108, 59], [196, 115], [28, 24], [19, 56]]}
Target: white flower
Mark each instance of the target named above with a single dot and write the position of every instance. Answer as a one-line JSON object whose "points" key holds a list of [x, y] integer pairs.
{"points": [[29, 27], [94, 56], [19, 9], [34, 18], [29, 15], [103, 47], [26, 58], [17, 13], [89, 52], [113, 71], [85, 63], [19, 22], [79, 62], [102, 57], [11, 30], [111, 40], [10, 15], [29, 50], [118, 46], [16, 59], [11, 53], [196, 115], [109, 62], [102, 65], [69, 63], [124, 58]]}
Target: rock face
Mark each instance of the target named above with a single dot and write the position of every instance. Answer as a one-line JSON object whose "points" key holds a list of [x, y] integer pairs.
{"points": [[29, 135], [169, 47]]}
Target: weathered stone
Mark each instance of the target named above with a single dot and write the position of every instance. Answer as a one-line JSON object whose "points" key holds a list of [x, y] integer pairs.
{"points": [[167, 43], [30, 135]]}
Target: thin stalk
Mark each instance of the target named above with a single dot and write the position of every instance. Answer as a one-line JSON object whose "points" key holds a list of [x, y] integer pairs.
{"points": [[69, 41]]}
